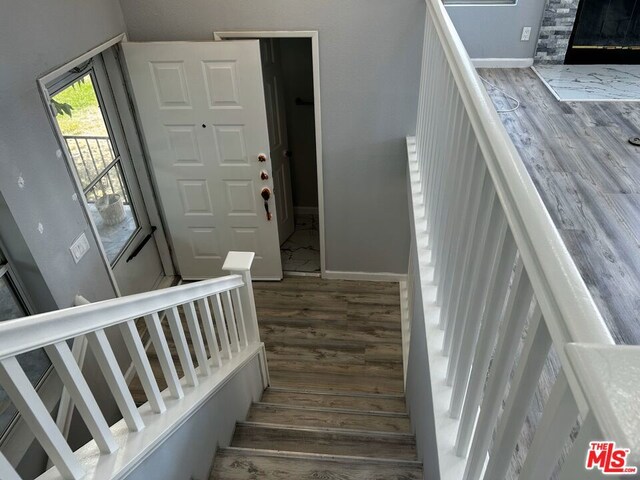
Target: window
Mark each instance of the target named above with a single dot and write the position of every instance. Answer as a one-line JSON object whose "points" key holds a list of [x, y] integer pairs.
{"points": [[36, 363], [81, 116]]}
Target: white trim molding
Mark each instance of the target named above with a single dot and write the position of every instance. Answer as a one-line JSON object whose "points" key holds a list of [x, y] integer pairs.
{"points": [[365, 276], [502, 62]]}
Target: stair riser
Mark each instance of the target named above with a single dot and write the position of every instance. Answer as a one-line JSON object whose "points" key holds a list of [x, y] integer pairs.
{"points": [[312, 418], [335, 401], [291, 440]]}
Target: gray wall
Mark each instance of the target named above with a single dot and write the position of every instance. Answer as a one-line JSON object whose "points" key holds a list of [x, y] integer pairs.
{"points": [[188, 453], [36, 37], [297, 71], [369, 67], [493, 31]]}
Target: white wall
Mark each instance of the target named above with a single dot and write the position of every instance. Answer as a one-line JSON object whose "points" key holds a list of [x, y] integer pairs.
{"points": [[493, 31], [36, 37], [369, 65]]}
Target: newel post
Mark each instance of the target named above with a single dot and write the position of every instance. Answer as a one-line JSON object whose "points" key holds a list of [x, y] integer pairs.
{"points": [[239, 263]]}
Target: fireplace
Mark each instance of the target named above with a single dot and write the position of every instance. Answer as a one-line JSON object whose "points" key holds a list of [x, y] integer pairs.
{"points": [[605, 31]]}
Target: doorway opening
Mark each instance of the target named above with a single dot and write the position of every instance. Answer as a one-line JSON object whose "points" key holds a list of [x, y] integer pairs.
{"points": [[287, 70], [290, 69]]}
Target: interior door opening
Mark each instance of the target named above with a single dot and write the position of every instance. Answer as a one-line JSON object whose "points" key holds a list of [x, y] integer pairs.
{"points": [[288, 78]]}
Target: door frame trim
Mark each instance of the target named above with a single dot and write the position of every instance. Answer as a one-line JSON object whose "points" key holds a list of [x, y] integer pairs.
{"points": [[42, 83], [315, 58]]}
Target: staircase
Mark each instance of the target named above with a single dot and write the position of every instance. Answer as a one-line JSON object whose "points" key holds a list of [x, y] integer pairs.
{"points": [[307, 434], [335, 409]]}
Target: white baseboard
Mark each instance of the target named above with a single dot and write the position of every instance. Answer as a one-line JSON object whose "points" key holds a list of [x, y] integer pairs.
{"points": [[305, 210], [370, 276], [502, 62]]}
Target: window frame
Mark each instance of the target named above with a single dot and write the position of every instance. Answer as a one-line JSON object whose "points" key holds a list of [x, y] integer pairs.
{"points": [[57, 86]]}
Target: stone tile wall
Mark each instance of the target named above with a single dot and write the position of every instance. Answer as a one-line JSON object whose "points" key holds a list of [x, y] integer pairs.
{"points": [[557, 25]]}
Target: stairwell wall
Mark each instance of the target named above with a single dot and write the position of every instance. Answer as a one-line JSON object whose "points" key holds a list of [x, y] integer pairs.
{"points": [[188, 453], [369, 71]]}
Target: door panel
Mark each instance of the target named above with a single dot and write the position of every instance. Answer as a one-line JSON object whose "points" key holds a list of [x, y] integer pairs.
{"points": [[203, 116], [278, 141]]}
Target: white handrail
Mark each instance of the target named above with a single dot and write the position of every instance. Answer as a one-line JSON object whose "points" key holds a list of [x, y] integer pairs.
{"points": [[539, 242], [235, 318], [30, 333], [495, 275]]}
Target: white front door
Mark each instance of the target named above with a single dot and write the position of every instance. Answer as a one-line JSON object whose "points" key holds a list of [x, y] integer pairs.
{"points": [[202, 112]]}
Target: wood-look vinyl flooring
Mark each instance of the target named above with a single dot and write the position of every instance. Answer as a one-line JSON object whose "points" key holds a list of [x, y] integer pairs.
{"points": [[335, 408], [588, 175], [331, 335], [325, 442], [234, 464]]}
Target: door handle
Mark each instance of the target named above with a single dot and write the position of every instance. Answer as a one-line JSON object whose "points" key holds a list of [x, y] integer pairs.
{"points": [[266, 195], [141, 245]]}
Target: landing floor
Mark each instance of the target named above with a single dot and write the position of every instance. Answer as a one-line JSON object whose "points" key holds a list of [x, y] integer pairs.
{"points": [[301, 251], [331, 334], [588, 176]]}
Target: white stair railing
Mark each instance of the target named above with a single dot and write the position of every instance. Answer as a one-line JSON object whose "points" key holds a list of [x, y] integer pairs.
{"points": [[227, 301], [495, 277]]}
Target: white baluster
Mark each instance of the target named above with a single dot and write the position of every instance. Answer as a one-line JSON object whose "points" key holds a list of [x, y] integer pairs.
{"points": [[473, 256], [559, 416], [510, 332], [37, 417], [521, 391], [209, 332], [479, 298], [196, 338], [489, 325], [6, 470], [461, 255], [182, 347], [471, 181], [164, 355], [231, 321], [573, 465], [237, 306], [221, 325], [143, 367], [75, 383], [108, 364]]}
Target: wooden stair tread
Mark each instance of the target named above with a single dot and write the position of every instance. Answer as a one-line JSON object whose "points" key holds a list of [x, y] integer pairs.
{"points": [[243, 464], [308, 417], [331, 400], [335, 382], [323, 441]]}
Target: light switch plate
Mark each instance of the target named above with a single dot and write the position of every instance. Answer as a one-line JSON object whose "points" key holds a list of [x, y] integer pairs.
{"points": [[526, 34], [79, 247]]}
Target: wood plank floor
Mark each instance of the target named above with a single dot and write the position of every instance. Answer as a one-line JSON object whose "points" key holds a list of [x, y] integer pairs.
{"points": [[335, 408], [331, 335], [588, 176]]}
